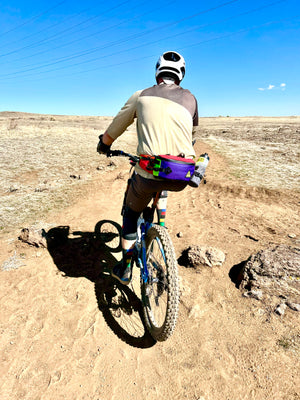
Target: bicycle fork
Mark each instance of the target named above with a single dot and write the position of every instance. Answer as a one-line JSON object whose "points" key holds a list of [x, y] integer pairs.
{"points": [[141, 255]]}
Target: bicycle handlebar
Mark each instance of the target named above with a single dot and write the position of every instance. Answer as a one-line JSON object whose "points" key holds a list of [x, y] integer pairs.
{"points": [[121, 153]]}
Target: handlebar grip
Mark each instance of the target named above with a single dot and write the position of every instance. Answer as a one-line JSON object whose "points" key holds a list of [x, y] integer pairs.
{"points": [[114, 153]]}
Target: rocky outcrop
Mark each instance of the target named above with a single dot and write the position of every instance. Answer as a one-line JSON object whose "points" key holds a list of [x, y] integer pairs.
{"points": [[272, 275], [34, 237], [197, 256]]}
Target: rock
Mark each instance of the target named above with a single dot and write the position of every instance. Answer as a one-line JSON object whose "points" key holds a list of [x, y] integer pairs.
{"points": [[33, 237], [197, 256], [196, 312], [255, 294], [280, 309], [40, 189], [273, 273], [13, 189], [293, 306], [292, 235]]}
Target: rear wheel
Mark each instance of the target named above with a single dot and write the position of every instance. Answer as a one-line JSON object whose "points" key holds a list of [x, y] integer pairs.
{"points": [[161, 292]]}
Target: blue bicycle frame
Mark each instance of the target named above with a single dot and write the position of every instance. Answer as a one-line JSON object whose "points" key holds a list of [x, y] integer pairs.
{"points": [[141, 250]]}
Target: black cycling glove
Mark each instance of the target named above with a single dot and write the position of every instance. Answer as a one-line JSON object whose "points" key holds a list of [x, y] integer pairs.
{"points": [[102, 148]]}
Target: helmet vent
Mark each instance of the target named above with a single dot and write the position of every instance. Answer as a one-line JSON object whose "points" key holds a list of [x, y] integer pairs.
{"points": [[170, 56]]}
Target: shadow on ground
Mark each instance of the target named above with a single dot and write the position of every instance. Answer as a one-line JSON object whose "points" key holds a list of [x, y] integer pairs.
{"points": [[92, 255]]}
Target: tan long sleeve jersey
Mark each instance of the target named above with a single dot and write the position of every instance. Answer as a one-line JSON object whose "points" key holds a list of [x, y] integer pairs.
{"points": [[166, 115]]}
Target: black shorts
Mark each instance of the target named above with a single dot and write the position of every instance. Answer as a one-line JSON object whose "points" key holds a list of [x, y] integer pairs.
{"points": [[141, 190]]}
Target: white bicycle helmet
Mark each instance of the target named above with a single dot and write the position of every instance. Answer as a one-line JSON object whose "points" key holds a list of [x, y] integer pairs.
{"points": [[170, 64]]}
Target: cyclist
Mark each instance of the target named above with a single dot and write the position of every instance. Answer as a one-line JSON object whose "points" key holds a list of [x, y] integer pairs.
{"points": [[166, 114]]}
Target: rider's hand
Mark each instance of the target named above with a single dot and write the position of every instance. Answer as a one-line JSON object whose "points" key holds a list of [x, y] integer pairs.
{"points": [[102, 148]]}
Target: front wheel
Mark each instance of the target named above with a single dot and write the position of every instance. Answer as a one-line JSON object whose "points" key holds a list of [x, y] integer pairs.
{"points": [[160, 294]]}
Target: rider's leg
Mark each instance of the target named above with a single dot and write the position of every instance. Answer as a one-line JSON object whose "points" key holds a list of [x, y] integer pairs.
{"points": [[127, 247], [162, 207], [139, 194], [129, 233], [122, 271]]}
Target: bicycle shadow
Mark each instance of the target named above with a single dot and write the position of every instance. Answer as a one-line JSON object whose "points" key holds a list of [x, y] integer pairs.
{"points": [[92, 255]]}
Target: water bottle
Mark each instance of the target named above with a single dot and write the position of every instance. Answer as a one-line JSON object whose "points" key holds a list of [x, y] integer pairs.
{"points": [[199, 172]]}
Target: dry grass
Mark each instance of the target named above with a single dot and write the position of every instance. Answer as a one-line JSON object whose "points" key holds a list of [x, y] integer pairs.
{"points": [[262, 151], [46, 160], [14, 262]]}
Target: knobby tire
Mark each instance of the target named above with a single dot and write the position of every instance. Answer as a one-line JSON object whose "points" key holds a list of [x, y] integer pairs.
{"points": [[160, 294]]}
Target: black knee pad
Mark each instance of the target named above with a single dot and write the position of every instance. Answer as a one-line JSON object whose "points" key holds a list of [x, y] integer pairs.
{"points": [[130, 219]]}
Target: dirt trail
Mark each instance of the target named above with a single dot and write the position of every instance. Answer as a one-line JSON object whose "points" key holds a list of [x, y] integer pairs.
{"points": [[59, 340]]}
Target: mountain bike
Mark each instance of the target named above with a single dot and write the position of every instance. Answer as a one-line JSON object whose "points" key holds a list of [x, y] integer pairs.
{"points": [[154, 255]]}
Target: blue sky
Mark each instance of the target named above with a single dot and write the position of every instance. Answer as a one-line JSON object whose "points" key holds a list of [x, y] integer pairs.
{"points": [[87, 58]]}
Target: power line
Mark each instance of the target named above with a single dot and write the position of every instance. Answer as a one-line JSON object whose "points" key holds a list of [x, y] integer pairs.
{"points": [[236, 33], [146, 44], [178, 49], [61, 32], [171, 36], [34, 18], [93, 50], [190, 45], [180, 34], [50, 27], [95, 33]]}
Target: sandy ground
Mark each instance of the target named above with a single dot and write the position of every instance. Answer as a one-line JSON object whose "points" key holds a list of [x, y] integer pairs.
{"points": [[61, 340]]}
